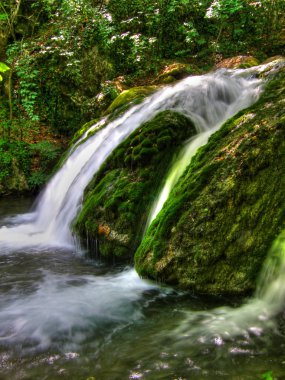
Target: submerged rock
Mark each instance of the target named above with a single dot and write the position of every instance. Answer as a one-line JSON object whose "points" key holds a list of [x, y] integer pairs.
{"points": [[117, 201], [214, 231]]}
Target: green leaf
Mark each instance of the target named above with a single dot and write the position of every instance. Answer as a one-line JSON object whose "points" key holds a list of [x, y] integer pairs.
{"points": [[3, 17], [267, 376], [3, 67], [1, 78]]}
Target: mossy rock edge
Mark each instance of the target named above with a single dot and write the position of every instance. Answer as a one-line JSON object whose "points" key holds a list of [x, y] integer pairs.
{"points": [[129, 97]]}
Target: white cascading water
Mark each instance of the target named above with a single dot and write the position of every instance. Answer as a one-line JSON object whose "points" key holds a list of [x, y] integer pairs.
{"points": [[177, 169], [208, 100]]}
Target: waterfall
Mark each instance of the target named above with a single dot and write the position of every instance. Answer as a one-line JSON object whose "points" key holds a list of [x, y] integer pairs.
{"points": [[208, 100]]}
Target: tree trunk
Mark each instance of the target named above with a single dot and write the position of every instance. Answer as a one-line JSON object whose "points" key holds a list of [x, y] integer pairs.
{"points": [[10, 102]]}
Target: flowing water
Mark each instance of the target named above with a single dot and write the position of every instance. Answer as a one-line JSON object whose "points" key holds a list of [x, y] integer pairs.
{"points": [[65, 316]]}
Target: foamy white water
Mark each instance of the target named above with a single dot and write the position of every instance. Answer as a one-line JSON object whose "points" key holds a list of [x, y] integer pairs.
{"points": [[64, 305]]}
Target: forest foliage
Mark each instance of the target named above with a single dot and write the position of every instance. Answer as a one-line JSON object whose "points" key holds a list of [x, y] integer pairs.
{"points": [[64, 56]]}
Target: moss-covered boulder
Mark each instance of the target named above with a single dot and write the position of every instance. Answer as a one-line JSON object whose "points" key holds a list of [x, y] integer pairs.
{"points": [[174, 71], [220, 220], [117, 201], [128, 98]]}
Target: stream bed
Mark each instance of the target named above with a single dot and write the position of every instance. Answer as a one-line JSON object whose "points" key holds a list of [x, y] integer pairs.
{"points": [[65, 316]]}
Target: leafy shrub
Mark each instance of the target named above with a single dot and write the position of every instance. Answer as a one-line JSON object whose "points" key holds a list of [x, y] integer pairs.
{"points": [[37, 180]]}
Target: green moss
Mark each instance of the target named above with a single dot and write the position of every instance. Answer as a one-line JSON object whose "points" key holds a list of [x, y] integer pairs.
{"points": [[174, 71], [248, 62], [82, 130], [216, 228], [129, 97], [117, 200], [167, 79]]}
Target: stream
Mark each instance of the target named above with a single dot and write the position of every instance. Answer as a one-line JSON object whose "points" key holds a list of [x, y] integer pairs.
{"points": [[65, 316]]}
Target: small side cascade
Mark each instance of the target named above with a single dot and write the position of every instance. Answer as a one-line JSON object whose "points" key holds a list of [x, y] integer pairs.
{"points": [[271, 285], [177, 169], [253, 317]]}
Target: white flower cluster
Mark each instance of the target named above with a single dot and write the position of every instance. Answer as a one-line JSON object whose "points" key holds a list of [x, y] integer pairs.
{"points": [[212, 10]]}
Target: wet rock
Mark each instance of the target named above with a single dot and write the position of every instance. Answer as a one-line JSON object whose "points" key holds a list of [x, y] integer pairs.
{"points": [[238, 62]]}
